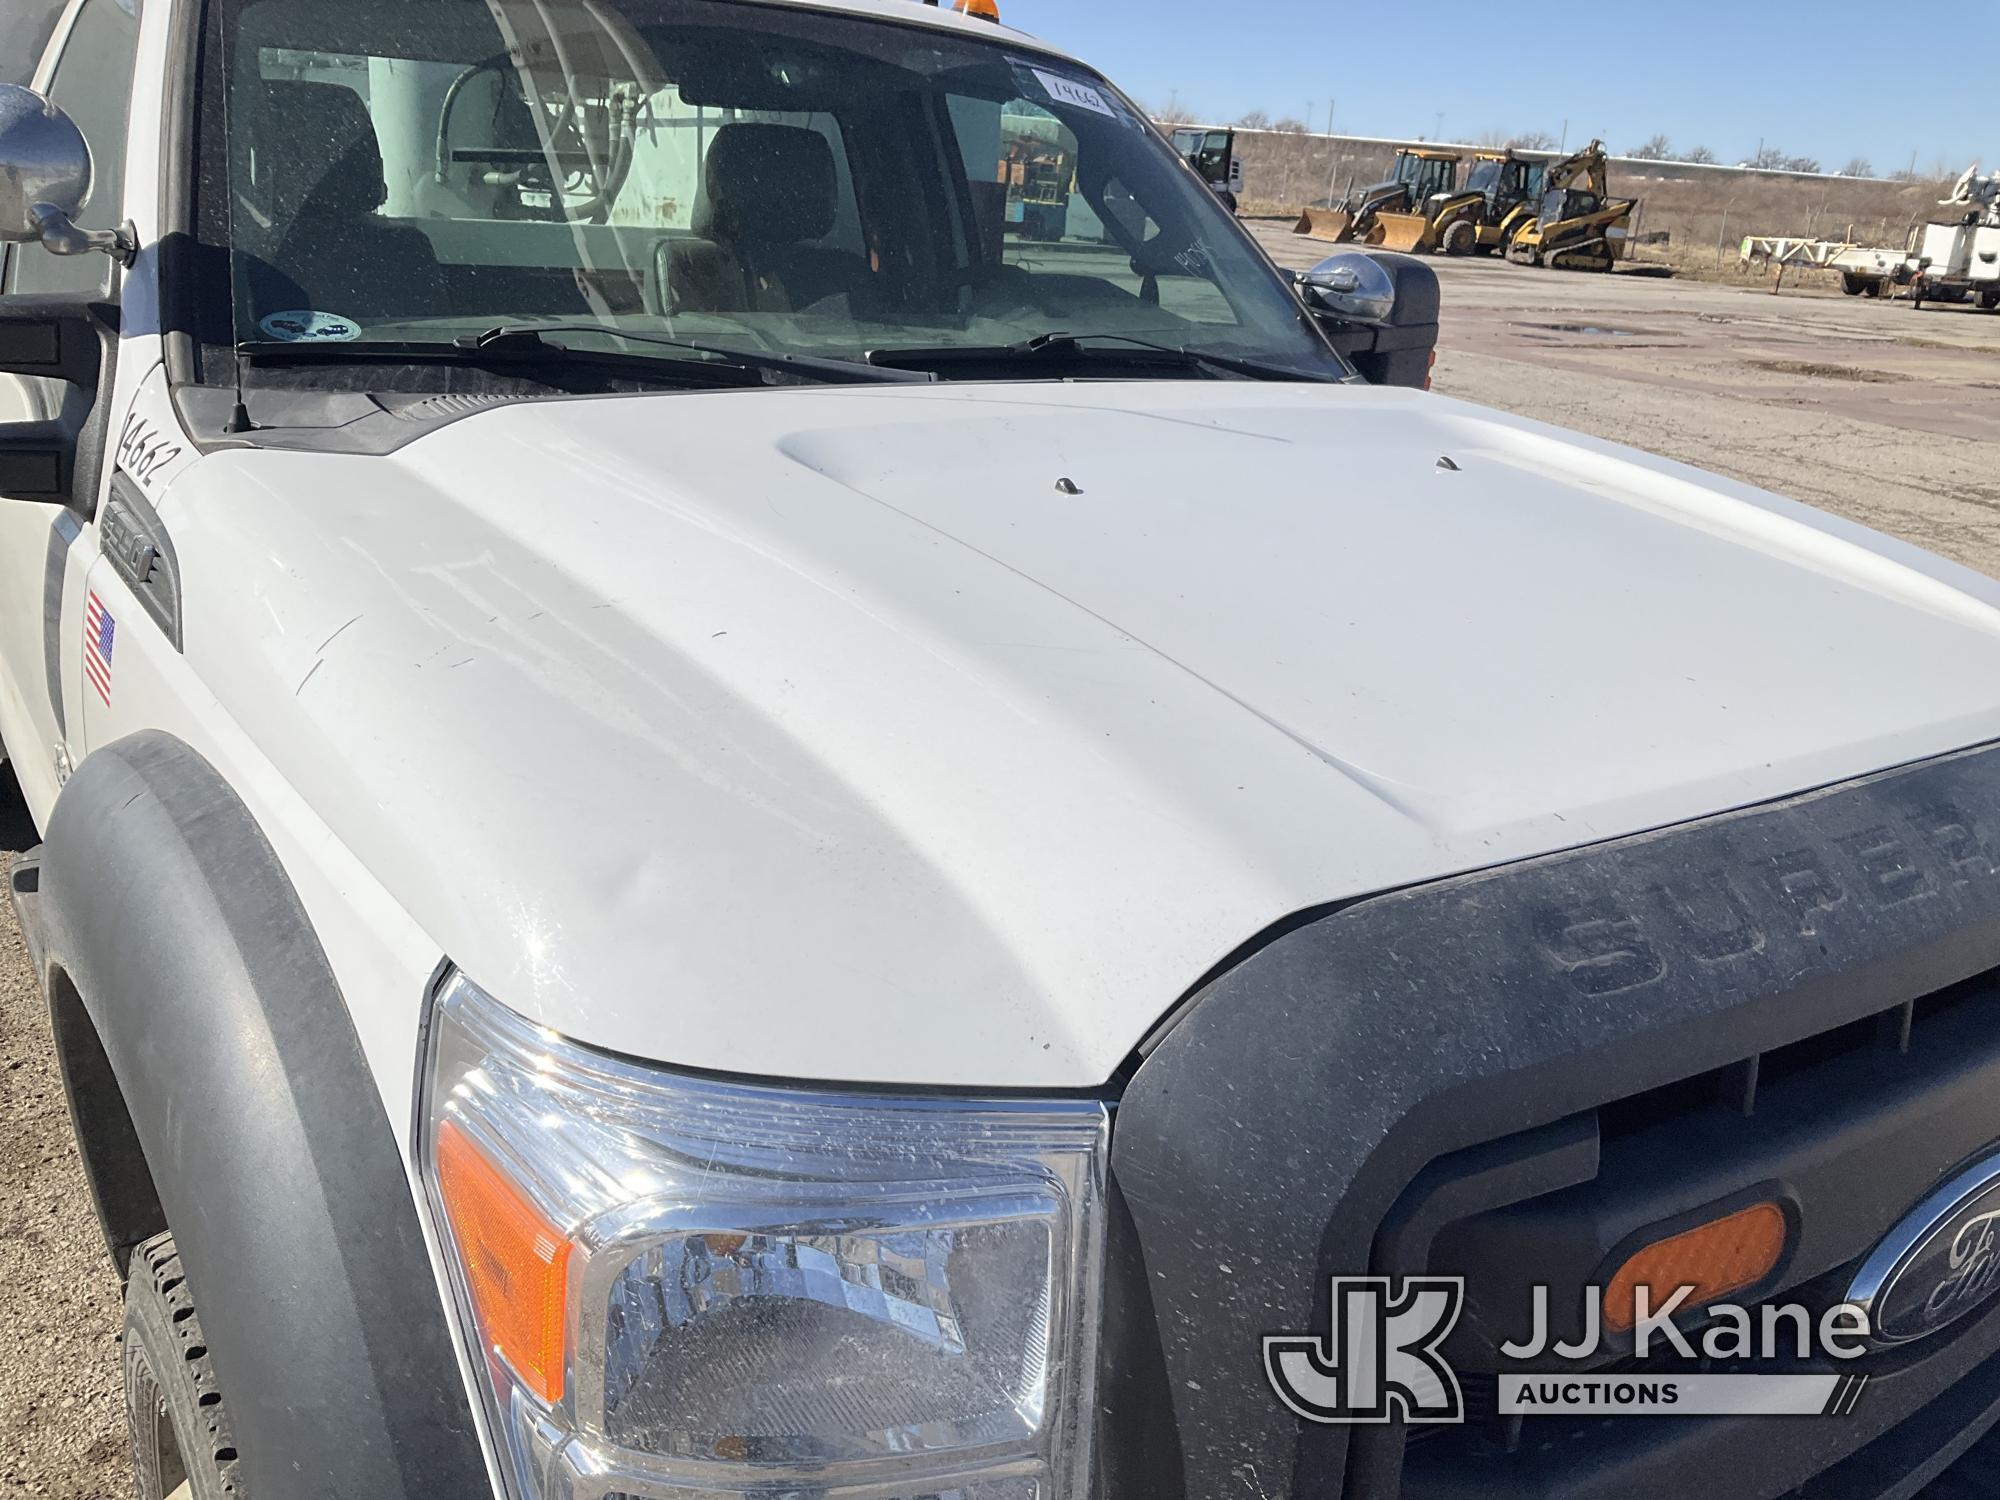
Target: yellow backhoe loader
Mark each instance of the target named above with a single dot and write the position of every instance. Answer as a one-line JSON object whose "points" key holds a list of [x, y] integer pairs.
{"points": [[1421, 173], [1499, 195], [1578, 226]]}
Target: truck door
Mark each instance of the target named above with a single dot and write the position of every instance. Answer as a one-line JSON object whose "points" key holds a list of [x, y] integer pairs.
{"points": [[46, 549]]}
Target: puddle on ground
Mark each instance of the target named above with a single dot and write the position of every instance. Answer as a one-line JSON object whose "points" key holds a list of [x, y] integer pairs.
{"points": [[1818, 370], [1563, 333], [1596, 330]]}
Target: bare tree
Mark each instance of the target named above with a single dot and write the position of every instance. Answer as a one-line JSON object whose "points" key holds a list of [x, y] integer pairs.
{"points": [[1700, 156], [1770, 158], [1256, 119], [1290, 125], [1801, 164], [1516, 140], [1858, 166], [1654, 148], [1173, 112]]}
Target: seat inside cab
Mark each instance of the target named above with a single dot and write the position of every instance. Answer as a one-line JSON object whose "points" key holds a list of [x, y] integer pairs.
{"points": [[760, 227], [379, 190]]}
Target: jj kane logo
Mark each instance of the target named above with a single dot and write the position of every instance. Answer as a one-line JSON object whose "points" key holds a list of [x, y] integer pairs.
{"points": [[1380, 1358]]}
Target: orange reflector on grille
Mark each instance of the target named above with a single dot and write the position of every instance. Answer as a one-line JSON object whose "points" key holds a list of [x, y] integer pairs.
{"points": [[515, 1260], [985, 10], [1722, 1256]]}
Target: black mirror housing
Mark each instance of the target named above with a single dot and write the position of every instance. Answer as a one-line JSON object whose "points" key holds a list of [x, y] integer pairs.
{"points": [[54, 336], [72, 341]]}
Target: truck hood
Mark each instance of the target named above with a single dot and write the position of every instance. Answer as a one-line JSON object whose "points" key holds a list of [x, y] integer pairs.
{"points": [[949, 735]]}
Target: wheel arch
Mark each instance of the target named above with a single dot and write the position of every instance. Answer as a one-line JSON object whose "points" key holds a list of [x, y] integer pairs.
{"points": [[114, 1161], [218, 1087]]}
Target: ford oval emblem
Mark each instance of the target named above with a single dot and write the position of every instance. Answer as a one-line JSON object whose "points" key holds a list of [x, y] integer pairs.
{"points": [[1939, 1264]]}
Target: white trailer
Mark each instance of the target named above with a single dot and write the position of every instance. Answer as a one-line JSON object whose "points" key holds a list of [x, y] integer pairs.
{"points": [[1954, 260], [1864, 269]]}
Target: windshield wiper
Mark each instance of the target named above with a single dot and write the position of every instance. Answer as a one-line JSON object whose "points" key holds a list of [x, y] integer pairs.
{"points": [[1056, 346], [527, 339], [619, 362]]}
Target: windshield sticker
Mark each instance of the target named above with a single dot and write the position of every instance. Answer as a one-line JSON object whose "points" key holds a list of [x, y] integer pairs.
{"points": [[305, 326], [1195, 258], [1069, 91]]}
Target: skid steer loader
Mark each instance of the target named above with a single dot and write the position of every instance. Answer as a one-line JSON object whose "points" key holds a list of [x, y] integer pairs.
{"points": [[1578, 225], [1421, 173]]}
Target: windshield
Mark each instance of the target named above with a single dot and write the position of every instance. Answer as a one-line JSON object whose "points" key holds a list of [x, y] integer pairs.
{"points": [[1426, 174], [1567, 203], [743, 174]]}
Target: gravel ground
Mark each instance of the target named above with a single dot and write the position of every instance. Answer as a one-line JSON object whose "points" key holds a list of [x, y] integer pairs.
{"points": [[62, 1411], [1873, 410]]}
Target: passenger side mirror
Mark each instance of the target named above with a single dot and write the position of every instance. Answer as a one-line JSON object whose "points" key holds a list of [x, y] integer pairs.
{"points": [[45, 180], [1351, 287], [1378, 309]]}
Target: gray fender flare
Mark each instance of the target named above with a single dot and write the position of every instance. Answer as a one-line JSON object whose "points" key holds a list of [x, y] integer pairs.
{"points": [[165, 910]]}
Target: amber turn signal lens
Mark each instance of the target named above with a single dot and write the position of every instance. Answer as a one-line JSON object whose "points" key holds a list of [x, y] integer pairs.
{"points": [[1722, 1256], [985, 10], [515, 1262]]}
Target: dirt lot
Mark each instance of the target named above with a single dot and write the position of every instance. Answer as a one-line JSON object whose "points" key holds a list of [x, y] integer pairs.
{"points": [[1873, 410], [62, 1423]]}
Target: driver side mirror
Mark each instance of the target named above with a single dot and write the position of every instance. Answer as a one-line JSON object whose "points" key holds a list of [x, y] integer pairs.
{"points": [[45, 179], [1380, 310], [44, 184]]}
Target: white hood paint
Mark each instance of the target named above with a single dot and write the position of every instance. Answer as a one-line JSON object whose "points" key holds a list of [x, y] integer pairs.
{"points": [[815, 733]]}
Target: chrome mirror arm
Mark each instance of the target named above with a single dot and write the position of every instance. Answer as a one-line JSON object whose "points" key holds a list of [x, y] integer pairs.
{"points": [[61, 237]]}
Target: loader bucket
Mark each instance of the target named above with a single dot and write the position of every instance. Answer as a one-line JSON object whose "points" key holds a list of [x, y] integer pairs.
{"points": [[1402, 231], [1335, 224]]}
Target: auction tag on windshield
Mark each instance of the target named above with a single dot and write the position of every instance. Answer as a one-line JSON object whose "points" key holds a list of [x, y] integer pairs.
{"points": [[308, 326], [1069, 91]]}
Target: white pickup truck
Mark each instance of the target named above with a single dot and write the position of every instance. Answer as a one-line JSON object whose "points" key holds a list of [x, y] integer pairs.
{"points": [[717, 825]]}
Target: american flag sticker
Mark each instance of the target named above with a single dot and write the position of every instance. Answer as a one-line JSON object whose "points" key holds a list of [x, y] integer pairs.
{"points": [[100, 634]]}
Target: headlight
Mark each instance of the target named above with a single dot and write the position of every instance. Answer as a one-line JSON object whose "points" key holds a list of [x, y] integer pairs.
{"points": [[685, 1287]]}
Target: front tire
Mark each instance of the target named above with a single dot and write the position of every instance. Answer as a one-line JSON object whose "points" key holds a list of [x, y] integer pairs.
{"points": [[181, 1444]]}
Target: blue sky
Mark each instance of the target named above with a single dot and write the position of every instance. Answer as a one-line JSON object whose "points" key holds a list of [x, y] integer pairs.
{"points": [[1832, 79]]}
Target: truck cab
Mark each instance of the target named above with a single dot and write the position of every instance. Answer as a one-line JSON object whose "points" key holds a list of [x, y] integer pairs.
{"points": [[719, 818], [1956, 257], [1212, 153]]}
